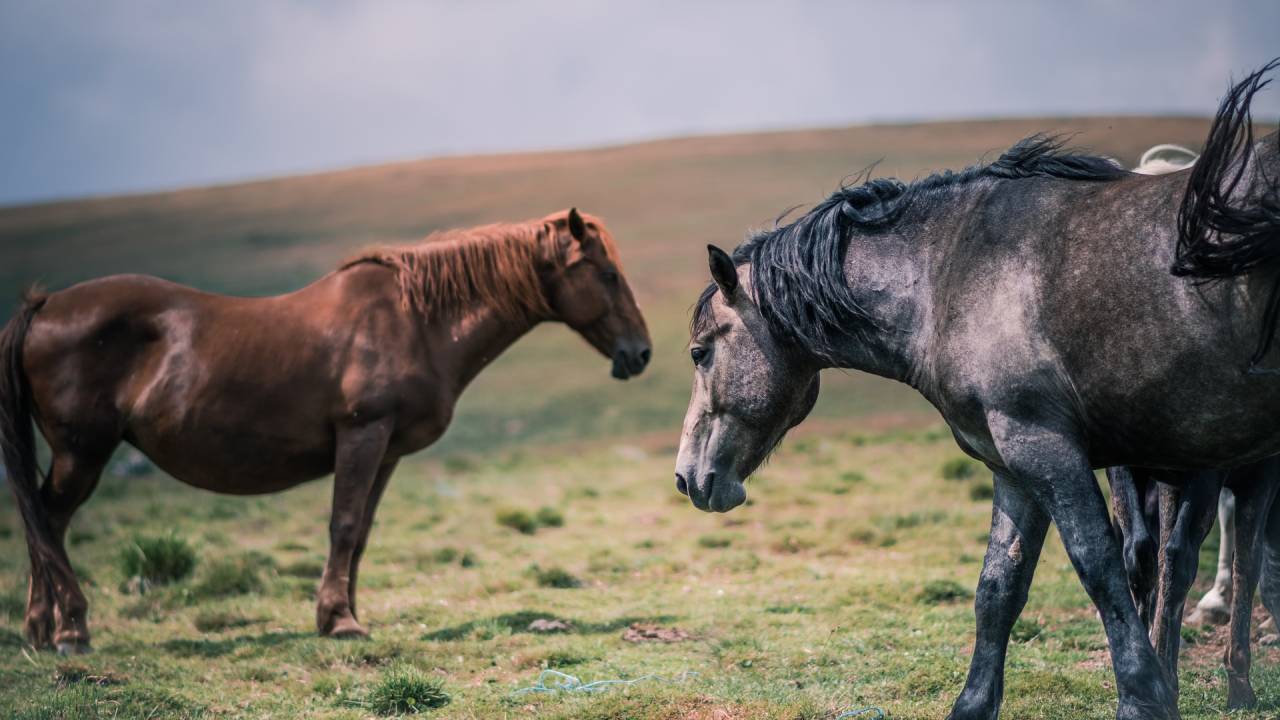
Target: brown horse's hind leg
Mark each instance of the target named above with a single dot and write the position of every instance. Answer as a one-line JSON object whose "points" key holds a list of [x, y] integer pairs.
{"points": [[57, 614], [359, 460], [370, 507]]}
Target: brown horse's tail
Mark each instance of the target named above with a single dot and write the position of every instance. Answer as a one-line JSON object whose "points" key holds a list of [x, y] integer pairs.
{"points": [[17, 436]]}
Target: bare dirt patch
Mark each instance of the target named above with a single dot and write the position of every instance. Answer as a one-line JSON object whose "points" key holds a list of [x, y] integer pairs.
{"points": [[646, 632]]}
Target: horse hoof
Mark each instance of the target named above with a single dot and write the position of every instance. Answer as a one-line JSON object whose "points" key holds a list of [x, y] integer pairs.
{"points": [[347, 627], [1241, 697], [74, 647], [1209, 616]]}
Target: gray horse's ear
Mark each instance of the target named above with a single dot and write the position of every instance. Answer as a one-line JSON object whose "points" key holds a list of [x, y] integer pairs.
{"points": [[577, 226], [723, 271]]}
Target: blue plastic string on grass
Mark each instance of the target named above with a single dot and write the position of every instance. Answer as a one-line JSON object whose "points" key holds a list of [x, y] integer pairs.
{"points": [[879, 714], [563, 682]]}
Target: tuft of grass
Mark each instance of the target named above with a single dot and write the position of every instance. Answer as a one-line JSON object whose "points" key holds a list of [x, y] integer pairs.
{"points": [[13, 602], [69, 673], [959, 469], [238, 575], [555, 577], [981, 491], [518, 520], [444, 555], [211, 621], [308, 568], [791, 609], [405, 690], [940, 592], [158, 560], [790, 544], [852, 477], [549, 517], [459, 464], [715, 541], [1024, 630]]}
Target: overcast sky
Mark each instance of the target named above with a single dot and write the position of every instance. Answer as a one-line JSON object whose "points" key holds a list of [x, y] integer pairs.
{"points": [[101, 97]]}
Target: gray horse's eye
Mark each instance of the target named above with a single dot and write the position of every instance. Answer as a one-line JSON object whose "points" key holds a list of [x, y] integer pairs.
{"points": [[698, 354]]}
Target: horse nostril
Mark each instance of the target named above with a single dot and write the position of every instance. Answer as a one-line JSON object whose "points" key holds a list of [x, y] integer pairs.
{"points": [[681, 485], [645, 354]]}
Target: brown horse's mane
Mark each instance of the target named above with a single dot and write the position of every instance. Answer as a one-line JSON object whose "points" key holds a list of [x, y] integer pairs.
{"points": [[453, 271]]}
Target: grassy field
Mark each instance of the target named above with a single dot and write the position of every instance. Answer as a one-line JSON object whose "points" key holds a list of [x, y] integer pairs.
{"points": [[845, 583]]}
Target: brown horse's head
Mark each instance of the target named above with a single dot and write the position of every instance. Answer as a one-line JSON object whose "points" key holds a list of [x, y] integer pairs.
{"points": [[585, 289]]}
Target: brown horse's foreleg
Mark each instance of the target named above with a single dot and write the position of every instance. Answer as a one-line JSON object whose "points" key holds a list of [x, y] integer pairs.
{"points": [[359, 459], [62, 608], [370, 507]]}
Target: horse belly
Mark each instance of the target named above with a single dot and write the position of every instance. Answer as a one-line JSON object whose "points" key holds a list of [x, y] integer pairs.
{"points": [[1209, 426], [222, 431], [231, 460]]}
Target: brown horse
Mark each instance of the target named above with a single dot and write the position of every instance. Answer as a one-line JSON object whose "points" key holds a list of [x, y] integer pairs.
{"points": [[256, 395]]}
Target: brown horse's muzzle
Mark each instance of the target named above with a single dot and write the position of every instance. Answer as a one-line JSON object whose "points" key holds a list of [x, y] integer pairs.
{"points": [[630, 358]]}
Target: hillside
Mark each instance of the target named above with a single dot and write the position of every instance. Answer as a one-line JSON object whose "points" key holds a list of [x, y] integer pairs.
{"points": [[664, 200]]}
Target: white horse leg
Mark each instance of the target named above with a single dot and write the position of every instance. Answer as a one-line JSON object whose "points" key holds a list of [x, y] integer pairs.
{"points": [[1215, 607]]}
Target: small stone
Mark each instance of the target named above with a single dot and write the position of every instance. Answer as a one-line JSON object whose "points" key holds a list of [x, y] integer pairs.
{"points": [[549, 625]]}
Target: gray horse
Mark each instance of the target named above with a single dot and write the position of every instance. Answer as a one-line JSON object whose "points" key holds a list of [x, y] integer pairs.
{"points": [[994, 292]]}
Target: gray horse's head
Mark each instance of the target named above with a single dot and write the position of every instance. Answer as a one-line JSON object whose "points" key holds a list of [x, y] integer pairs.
{"points": [[748, 390]]}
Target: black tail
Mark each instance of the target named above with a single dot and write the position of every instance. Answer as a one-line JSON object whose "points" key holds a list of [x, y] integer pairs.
{"points": [[1217, 239], [17, 437]]}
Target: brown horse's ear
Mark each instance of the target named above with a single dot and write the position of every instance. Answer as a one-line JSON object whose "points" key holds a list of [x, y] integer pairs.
{"points": [[723, 271], [577, 226]]}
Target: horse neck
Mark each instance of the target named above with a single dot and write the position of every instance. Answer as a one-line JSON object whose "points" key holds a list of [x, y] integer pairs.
{"points": [[892, 283], [478, 338], [466, 340]]}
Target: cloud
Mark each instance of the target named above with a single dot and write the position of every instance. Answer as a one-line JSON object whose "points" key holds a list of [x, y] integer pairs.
{"points": [[110, 97]]}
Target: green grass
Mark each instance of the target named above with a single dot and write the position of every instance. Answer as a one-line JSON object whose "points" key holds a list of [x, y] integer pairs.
{"points": [[158, 560], [522, 521], [959, 469], [405, 690], [786, 616]]}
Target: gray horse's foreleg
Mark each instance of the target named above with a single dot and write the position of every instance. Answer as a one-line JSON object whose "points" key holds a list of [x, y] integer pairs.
{"points": [[1018, 527], [1056, 470]]}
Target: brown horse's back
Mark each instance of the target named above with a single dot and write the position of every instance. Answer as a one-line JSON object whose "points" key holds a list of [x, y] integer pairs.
{"points": [[231, 394]]}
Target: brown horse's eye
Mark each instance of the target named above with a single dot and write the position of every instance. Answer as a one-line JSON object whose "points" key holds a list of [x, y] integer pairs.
{"points": [[609, 277], [698, 354]]}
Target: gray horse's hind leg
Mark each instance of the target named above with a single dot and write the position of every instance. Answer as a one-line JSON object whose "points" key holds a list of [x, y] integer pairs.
{"points": [[1271, 572], [1186, 514], [1128, 488], [1018, 527], [1253, 508], [1215, 607], [1057, 472]]}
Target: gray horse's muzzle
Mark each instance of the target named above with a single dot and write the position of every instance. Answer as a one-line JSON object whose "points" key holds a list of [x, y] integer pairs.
{"points": [[712, 492]]}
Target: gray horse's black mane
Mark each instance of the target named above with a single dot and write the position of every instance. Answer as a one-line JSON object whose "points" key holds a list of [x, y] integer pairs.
{"points": [[797, 270]]}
